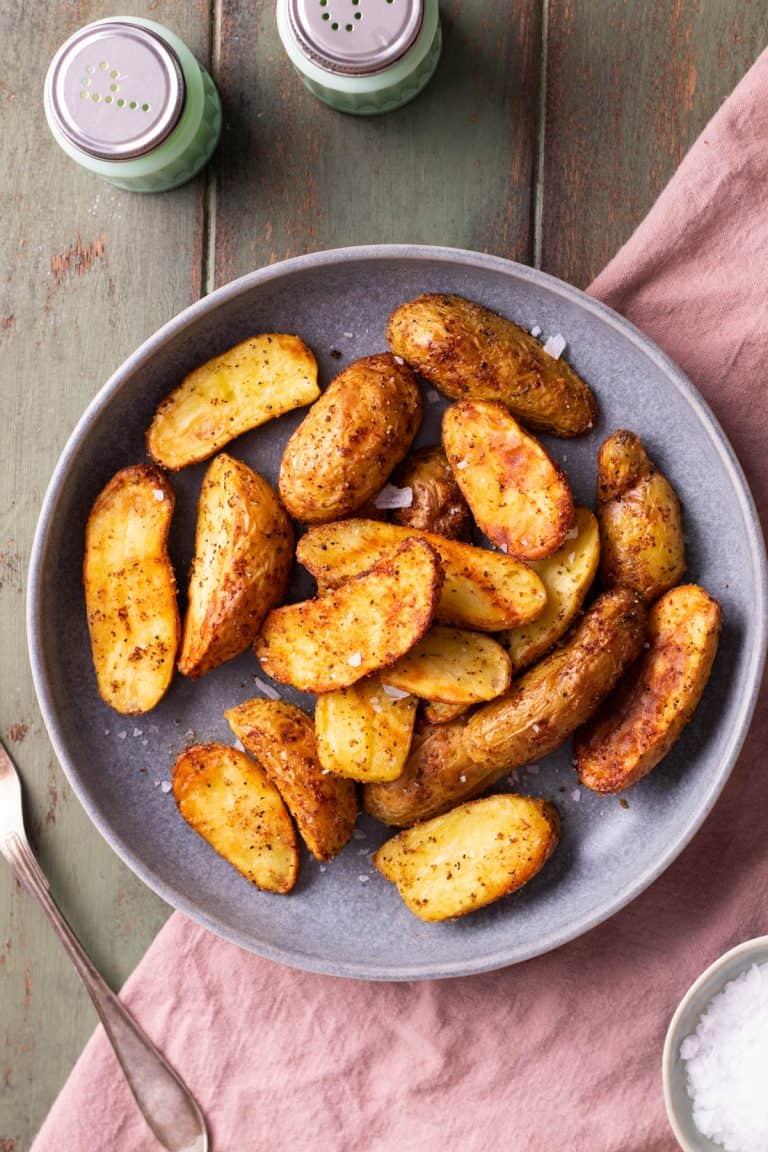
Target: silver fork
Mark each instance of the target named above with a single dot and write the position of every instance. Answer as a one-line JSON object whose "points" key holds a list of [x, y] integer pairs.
{"points": [[166, 1103]]}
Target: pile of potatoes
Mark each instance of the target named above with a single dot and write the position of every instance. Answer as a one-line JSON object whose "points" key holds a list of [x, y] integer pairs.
{"points": [[439, 665]]}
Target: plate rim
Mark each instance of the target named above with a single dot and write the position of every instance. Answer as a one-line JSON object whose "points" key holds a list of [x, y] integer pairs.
{"points": [[293, 957]]}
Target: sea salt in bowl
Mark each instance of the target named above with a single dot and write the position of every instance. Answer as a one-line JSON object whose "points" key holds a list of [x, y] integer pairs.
{"points": [[684, 1023]]}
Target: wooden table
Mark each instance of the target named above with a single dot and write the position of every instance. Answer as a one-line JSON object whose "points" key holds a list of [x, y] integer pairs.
{"points": [[546, 134]]}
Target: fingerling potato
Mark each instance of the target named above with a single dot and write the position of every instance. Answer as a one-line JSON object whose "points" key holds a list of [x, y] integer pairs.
{"points": [[567, 575], [518, 496], [243, 558], [130, 590], [638, 724], [231, 803], [257, 380], [282, 738], [438, 505], [483, 590], [366, 624], [350, 440], [452, 666], [471, 856], [640, 519], [364, 733], [466, 350], [552, 699]]}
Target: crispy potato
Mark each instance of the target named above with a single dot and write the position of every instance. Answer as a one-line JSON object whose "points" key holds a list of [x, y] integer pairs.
{"points": [[452, 666], [282, 739], [350, 440], [364, 733], [466, 350], [567, 576], [243, 558], [232, 804], [457, 761], [438, 505], [435, 712], [479, 852], [519, 497], [251, 383], [130, 589], [438, 775], [483, 590], [366, 624], [638, 724], [640, 519]]}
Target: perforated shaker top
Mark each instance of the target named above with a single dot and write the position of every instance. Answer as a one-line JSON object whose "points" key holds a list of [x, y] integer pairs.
{"points": [[355, 37], [115, 90]]}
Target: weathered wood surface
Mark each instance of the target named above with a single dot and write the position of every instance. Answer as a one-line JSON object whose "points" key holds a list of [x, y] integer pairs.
{"points": [[487, 158]]}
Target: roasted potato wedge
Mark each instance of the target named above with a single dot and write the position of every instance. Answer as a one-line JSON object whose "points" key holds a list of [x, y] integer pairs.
{"points": [[483, 590], [350, 440], [130, 589], [638, 724], [519, 497], [466, 350], [243, 558], [253, 382], [479, 852], [438, 775], [366, 624], [282, 738], [435, 712], [452, 666], [363, 732], [640, 519], [438, 505], [230, 801], [552, 699], [567, 576], [457, 761]]}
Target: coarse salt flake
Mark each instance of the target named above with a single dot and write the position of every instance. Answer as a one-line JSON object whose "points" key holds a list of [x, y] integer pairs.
{"points": [[166, 786], [393, 497], [463, 779], [158, 494], [122, 735], [398, 360], [576, 795], [573, 533], [137, 732], [555, 346], [349, 335], [725, 1061], [571, 557], [355, 660], [536, 330], [461, 465], [363, 879], [394, 693]]}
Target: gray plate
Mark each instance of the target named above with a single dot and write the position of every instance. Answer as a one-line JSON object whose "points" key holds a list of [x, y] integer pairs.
{"points": [[350, 921]]}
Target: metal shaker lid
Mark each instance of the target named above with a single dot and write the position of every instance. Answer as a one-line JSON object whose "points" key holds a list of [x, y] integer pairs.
{"points": [[355, 37], [115, 90]]}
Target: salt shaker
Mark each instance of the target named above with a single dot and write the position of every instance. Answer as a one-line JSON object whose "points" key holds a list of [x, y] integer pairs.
{"points": [[126, 99], [362, 56]]}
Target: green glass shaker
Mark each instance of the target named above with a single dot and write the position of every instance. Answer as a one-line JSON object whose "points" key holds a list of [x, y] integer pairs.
{"points": [[362, 56], [126, 99]]}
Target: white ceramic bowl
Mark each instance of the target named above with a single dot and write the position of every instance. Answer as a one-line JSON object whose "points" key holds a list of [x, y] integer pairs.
{"points": [[684, 1022]]}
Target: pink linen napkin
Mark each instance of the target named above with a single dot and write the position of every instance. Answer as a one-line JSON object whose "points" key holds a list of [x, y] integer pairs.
{"points": [[562, 1052]]}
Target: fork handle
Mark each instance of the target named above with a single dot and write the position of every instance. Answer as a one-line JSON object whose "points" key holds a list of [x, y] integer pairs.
{"points": [[162, 1096]]}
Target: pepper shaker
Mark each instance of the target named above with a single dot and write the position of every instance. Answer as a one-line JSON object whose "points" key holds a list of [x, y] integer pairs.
{"points": [[126, 99], [362, 56]]}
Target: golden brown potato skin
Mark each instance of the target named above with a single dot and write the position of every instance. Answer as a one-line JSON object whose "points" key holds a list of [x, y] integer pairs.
{"points": [[466, 350], [438, 505], [471, 856], [454, 762], [638, 724], [282, 738], [366, 624], [130, 589], [519, 497], [640, 520], [243, 558], [231, 803], [436, 712], [350, 440]]}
